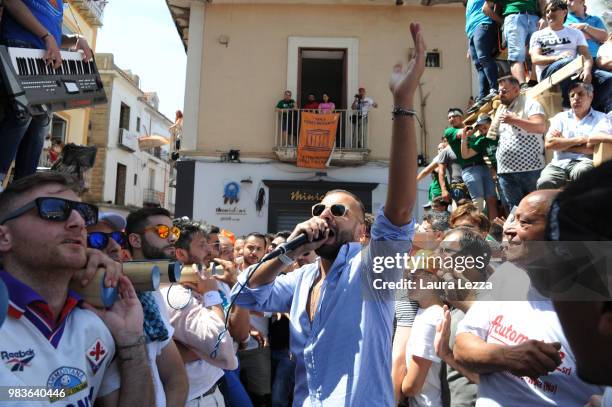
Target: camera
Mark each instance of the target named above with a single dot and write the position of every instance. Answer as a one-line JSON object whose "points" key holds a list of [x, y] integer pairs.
{"points": [[357, 96]]}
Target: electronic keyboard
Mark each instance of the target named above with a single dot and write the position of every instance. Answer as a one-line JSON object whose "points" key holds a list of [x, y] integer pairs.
{"points": [[38, 88]]}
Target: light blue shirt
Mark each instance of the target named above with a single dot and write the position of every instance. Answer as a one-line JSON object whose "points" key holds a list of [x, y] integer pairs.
{"points": [[593, 21], [474, 16], [344, 356], [568, 124]]}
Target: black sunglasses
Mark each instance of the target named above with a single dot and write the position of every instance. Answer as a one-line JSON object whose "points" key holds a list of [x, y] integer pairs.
{"points": [[336, 209], [56, 210], [99, 240]]}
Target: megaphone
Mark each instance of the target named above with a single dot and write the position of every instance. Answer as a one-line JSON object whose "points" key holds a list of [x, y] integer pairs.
{"points": [[144, 275], [95, 293], [190, 274], [3, 302], [169, 271]]}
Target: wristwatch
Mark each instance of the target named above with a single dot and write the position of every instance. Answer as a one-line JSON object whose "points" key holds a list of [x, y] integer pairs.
{"points": [[47, 34]]}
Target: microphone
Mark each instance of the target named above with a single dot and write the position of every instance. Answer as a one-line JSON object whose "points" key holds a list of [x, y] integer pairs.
{"points": [[290, 245]]}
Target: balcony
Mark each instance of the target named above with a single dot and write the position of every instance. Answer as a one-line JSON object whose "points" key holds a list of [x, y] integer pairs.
{"points": [[351, 137], [128, 140], [152, 198], [91, 10]]}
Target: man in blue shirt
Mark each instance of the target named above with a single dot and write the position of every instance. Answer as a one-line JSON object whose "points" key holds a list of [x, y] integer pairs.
{"points": [[481, 31], [592, 27], [31, 24], [341, 323]]}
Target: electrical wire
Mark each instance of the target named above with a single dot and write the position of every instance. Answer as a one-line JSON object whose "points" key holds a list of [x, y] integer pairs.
{"points": [[215, 351]]}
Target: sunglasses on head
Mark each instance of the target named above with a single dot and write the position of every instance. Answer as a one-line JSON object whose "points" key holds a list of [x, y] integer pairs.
{"points": [[336, 209], [163, 231], [56, 210], [99, 240]]}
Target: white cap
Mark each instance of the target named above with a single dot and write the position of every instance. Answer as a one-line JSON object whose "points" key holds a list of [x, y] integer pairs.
{"points": [[115, 220]]}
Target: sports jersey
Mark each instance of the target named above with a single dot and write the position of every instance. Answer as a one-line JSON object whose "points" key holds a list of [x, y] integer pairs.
{"points": [[71, 355]]}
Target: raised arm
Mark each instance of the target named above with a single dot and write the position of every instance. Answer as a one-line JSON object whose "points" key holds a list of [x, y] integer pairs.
{"points": [[401, 193], [427, 170], [466, 152]]}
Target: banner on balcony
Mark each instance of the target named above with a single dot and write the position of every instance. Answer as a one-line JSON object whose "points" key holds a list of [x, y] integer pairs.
{"points": [[317, 139]]}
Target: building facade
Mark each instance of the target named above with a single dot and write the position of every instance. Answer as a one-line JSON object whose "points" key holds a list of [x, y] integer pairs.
{"points": [[242, 55], [127, 173]]}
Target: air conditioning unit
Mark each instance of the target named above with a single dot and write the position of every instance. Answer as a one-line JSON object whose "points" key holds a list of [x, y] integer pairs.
{"points": [[128, 140]]}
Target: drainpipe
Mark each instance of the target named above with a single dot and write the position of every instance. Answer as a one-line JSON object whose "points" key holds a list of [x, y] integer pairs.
{"points": [[423, 100]]}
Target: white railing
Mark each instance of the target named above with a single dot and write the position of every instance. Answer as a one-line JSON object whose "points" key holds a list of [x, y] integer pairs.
{"points": [[352, 132], [92, 8]]}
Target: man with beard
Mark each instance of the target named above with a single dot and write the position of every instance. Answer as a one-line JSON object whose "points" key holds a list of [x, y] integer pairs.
{"points": [[341, 326], [519, 126], [518, 346], [151, 236], [199, 323], [51, 337], [254, 354]]}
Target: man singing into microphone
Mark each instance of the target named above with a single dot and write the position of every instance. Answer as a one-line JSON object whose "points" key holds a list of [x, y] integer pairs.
{"points": [[341, 327]]}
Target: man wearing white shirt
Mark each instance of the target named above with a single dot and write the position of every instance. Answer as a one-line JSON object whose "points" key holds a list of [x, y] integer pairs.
{"points": [[568, 136], [518, 347], [362, 104], [556, 46]]}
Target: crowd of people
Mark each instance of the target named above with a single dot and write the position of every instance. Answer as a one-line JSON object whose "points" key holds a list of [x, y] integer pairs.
{"points": [[289, 120], [539, 38], [497, 161]]}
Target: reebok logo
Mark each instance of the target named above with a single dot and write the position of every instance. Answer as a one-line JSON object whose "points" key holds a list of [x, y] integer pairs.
{"points": [[17, 360]]}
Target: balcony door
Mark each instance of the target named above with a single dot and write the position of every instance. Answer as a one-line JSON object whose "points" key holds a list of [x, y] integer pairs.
{"points": [[322, 71]]}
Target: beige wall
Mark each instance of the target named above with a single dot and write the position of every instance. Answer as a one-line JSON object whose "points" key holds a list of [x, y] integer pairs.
{"points": [[78, 119], [242, 82]]}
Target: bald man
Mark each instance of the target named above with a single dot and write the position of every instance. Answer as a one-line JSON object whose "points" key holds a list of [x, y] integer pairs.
{"points": [[518, 346]]}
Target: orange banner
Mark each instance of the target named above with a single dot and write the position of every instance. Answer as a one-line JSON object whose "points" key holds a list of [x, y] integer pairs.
{"points": [[317, 139]]}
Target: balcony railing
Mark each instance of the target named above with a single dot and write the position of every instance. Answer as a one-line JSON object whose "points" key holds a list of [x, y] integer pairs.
{"points": [[352, 139], [152, 197], [91, 10]]}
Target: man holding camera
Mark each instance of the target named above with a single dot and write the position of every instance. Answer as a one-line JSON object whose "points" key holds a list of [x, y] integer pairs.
{"points": [[470, 150], [361, 105]]}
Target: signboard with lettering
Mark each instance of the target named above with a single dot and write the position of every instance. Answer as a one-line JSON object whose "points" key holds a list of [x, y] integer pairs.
{"points": [[317, 139]]}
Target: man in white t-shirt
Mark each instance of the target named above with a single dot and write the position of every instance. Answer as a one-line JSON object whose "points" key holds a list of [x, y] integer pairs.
{"points": [[151, 235], [518, 347], [51, 339], [555, 46]]}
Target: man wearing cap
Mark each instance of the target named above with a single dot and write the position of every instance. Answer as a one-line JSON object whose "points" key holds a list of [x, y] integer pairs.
{"points": [[555, 46], [568, 136], [470, 150], [362, 105]]}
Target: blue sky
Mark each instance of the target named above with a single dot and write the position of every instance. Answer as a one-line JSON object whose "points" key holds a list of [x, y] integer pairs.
{"points": [[142, 37]]}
